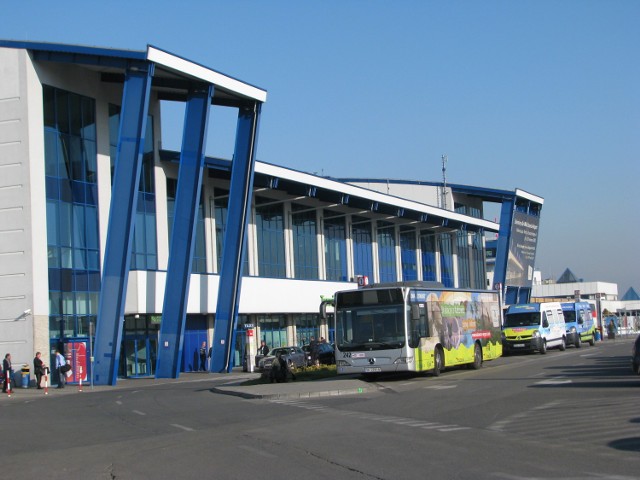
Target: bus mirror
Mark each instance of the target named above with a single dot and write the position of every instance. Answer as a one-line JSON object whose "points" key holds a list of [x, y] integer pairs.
{"points": [[545, 323], [415, 312]]}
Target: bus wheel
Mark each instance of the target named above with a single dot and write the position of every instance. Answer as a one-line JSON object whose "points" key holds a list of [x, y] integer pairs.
{"points": [[438, 362], [592, 341], [477, 357], [578, 343], [563, 345], [543, 347]]}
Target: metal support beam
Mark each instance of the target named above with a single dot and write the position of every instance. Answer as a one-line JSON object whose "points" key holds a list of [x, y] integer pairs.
{"points": [[502, 249], [124, 197], [174, 311], [233, 251]]}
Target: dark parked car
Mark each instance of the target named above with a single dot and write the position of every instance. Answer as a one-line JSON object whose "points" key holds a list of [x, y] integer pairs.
{"points": [[635, 356], [294, 356], [326, 354]]}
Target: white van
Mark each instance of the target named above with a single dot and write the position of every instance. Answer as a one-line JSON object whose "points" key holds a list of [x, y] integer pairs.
{"points": [[533, 327]]}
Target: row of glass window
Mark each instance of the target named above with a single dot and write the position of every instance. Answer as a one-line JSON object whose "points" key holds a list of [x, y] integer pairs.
{"points": [[72, 223]]}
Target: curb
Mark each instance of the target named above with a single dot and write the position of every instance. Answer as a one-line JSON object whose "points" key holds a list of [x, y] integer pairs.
{"points": [[295, 395]]}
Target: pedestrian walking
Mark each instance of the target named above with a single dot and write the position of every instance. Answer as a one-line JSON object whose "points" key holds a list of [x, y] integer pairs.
{"points": [[203, 357], [7, 374], [61, 366], [39, 369], [313, 350], [263, 349]]}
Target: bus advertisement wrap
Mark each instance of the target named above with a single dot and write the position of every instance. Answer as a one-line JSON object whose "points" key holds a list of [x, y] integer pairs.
{"points": [[415, 328]]}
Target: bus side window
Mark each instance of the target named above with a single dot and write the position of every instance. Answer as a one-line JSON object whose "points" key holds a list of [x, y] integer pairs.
{"points": [[418, 325]]}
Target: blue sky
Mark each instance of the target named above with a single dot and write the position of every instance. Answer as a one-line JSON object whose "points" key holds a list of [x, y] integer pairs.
{"points": [[538, 95]]}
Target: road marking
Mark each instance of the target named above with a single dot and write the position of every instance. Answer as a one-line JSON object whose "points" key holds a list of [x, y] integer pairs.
{"points": [[548, 405], [402, 421], [138, 412], [118, 402], [555, 381], [258, 452], [186, 429], [440, 387]]}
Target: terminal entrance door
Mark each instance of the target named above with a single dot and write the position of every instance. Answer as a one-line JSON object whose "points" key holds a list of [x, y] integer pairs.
{"points": [[139, 355]]}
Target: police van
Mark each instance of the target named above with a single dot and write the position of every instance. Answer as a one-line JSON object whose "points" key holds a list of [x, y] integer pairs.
{"points": [[579, 324], [533, 327]]}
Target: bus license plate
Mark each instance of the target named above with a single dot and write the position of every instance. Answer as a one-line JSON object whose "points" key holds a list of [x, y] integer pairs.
{"points": [[372, 369], [518, 345]]}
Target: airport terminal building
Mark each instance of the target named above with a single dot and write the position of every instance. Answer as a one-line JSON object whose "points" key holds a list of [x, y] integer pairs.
{"points": [[128, 257]]}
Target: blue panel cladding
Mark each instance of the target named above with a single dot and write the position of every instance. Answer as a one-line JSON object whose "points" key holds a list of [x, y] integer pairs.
{"points": [[176, 295], [124, 193], [242, 170], [504, 238]]}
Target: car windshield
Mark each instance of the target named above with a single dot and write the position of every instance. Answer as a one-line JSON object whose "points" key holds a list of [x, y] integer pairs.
{"points": [[370, 328], [282, 351], [524, 319]]}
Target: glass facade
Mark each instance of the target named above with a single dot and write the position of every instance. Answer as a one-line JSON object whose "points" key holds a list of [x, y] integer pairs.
{"points": [[335, 247], [408, 256], [307, 326], [362, 247], [273, 330], [387, 251], [199, 262], [73, 243], [464, 267], [428, 256], [479, 278], [270, 235], [446, 259], [305, 243], [221, 212], [144, 249]]}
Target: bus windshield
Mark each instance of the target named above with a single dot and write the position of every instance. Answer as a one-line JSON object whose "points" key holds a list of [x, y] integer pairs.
{"points": [[569, 316], [522, 319], [370, 328]]}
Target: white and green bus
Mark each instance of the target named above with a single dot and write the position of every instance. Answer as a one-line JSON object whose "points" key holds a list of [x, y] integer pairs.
{"points": [[415, 327]]}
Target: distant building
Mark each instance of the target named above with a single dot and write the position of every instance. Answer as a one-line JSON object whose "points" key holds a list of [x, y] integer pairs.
{"points": [[602, 294]]}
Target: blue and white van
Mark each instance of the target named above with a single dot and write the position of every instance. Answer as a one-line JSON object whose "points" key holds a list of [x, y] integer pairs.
{"points": [[533, 327], [579, 324]]}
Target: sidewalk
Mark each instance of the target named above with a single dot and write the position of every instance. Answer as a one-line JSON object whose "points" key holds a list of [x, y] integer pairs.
{"points": [[220, 383]]}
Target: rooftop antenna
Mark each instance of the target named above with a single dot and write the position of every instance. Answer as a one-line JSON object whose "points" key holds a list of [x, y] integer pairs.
{"points": [[444, 181]]}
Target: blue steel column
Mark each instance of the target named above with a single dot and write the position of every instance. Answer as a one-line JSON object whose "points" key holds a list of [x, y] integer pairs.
{"points": [[233, 251], [124, 196], [502, 248], [176, 291]]}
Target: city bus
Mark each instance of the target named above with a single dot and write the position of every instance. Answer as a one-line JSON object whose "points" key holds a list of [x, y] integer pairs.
{"points": [[415, 327]]}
